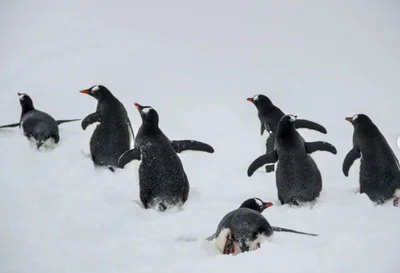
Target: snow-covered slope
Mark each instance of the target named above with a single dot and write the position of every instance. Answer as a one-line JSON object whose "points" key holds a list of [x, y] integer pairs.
{"points": [[195, 63]]}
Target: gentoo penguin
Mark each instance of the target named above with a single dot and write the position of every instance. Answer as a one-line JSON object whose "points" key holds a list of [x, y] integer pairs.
{"points": [[379, 168], [162, 179], [297, 175], [245, 229], [111, 138], [270, 115], [37, 126]]}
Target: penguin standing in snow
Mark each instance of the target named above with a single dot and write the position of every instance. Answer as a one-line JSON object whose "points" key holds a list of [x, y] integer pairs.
{"points": [[162, 178], [112, 137], [37, 126], [297, 175], [379, 168], [245, 229], [270, 115]]}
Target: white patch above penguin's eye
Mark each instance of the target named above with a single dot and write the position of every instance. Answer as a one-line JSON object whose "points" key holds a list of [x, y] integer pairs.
{"points": [[95, 88], [258, 201], [355, 117], [22, 96], [146, 110], [255, 97], [292, 118]]}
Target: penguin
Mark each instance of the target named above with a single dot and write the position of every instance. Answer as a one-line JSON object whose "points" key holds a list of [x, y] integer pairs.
{"points": [[297, 175], [37, 126], [162, 179], [270, 115], [112, 137], [379, 168], [245, 228]]}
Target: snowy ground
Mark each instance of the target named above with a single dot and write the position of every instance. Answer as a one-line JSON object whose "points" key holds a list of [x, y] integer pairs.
{"points": [[195, 63]]}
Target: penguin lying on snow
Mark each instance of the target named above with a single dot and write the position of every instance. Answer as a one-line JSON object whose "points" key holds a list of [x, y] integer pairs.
{"points": [[162, 179], [270, 115], [245, 228], [37, 126], [112, 137], [379, 168], [297, 175]]}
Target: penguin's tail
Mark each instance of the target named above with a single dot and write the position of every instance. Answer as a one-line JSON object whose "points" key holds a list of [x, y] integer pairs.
{"points": [[280, 229]]}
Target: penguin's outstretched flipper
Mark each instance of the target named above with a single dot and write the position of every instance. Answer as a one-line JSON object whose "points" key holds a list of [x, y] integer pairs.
{"points": [[128, 156], [192, 145], [10, 125], [268, 158], [319, 146], [308, 124]]}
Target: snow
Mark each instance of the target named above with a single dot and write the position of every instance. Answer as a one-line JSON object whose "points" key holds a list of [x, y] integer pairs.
{"points": [[196, 62]]}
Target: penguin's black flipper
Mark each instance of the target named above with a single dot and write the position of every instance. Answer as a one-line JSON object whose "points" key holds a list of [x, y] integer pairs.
{"points": [[269, 158], [128, 156], [349, 159], [90, 119], [66, 120], [262, 128], [319, 146], [10, 125], [279, 229], [270, 147], [307, 124], [193, 145]]}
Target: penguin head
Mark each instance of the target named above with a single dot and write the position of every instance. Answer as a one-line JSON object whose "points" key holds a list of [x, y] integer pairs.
{"points": [[97, 91], [261, 101], [362, 122], [148, 114], [288, 119], [358, 119], [25, 101], [256, 204]]}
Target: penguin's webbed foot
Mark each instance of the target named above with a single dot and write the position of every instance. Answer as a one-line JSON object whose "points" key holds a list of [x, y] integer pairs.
{"points": [[229, 246]]}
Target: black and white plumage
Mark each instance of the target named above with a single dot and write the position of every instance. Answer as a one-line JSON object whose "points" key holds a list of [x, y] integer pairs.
{"points": [[162, 178], [379, 168], [37, 126], [298, 178], [270, 115], [245, 229], [112, 137]]}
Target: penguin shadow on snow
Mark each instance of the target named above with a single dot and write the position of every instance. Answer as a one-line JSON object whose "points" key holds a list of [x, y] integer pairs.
{"points": [[244, 229], [41, 129], [163, 182]]}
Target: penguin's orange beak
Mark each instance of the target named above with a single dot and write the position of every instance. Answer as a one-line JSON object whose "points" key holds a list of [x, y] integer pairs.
{"points": [[250, 99], [84, 91], [138, 106], [349, 119], [268, 204]]}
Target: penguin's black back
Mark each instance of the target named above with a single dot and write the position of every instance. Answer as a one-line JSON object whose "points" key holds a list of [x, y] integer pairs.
{"points": [[297, 175], [245, 225], [39, 125], [111, 138], [161, 172], [379, 168]]}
